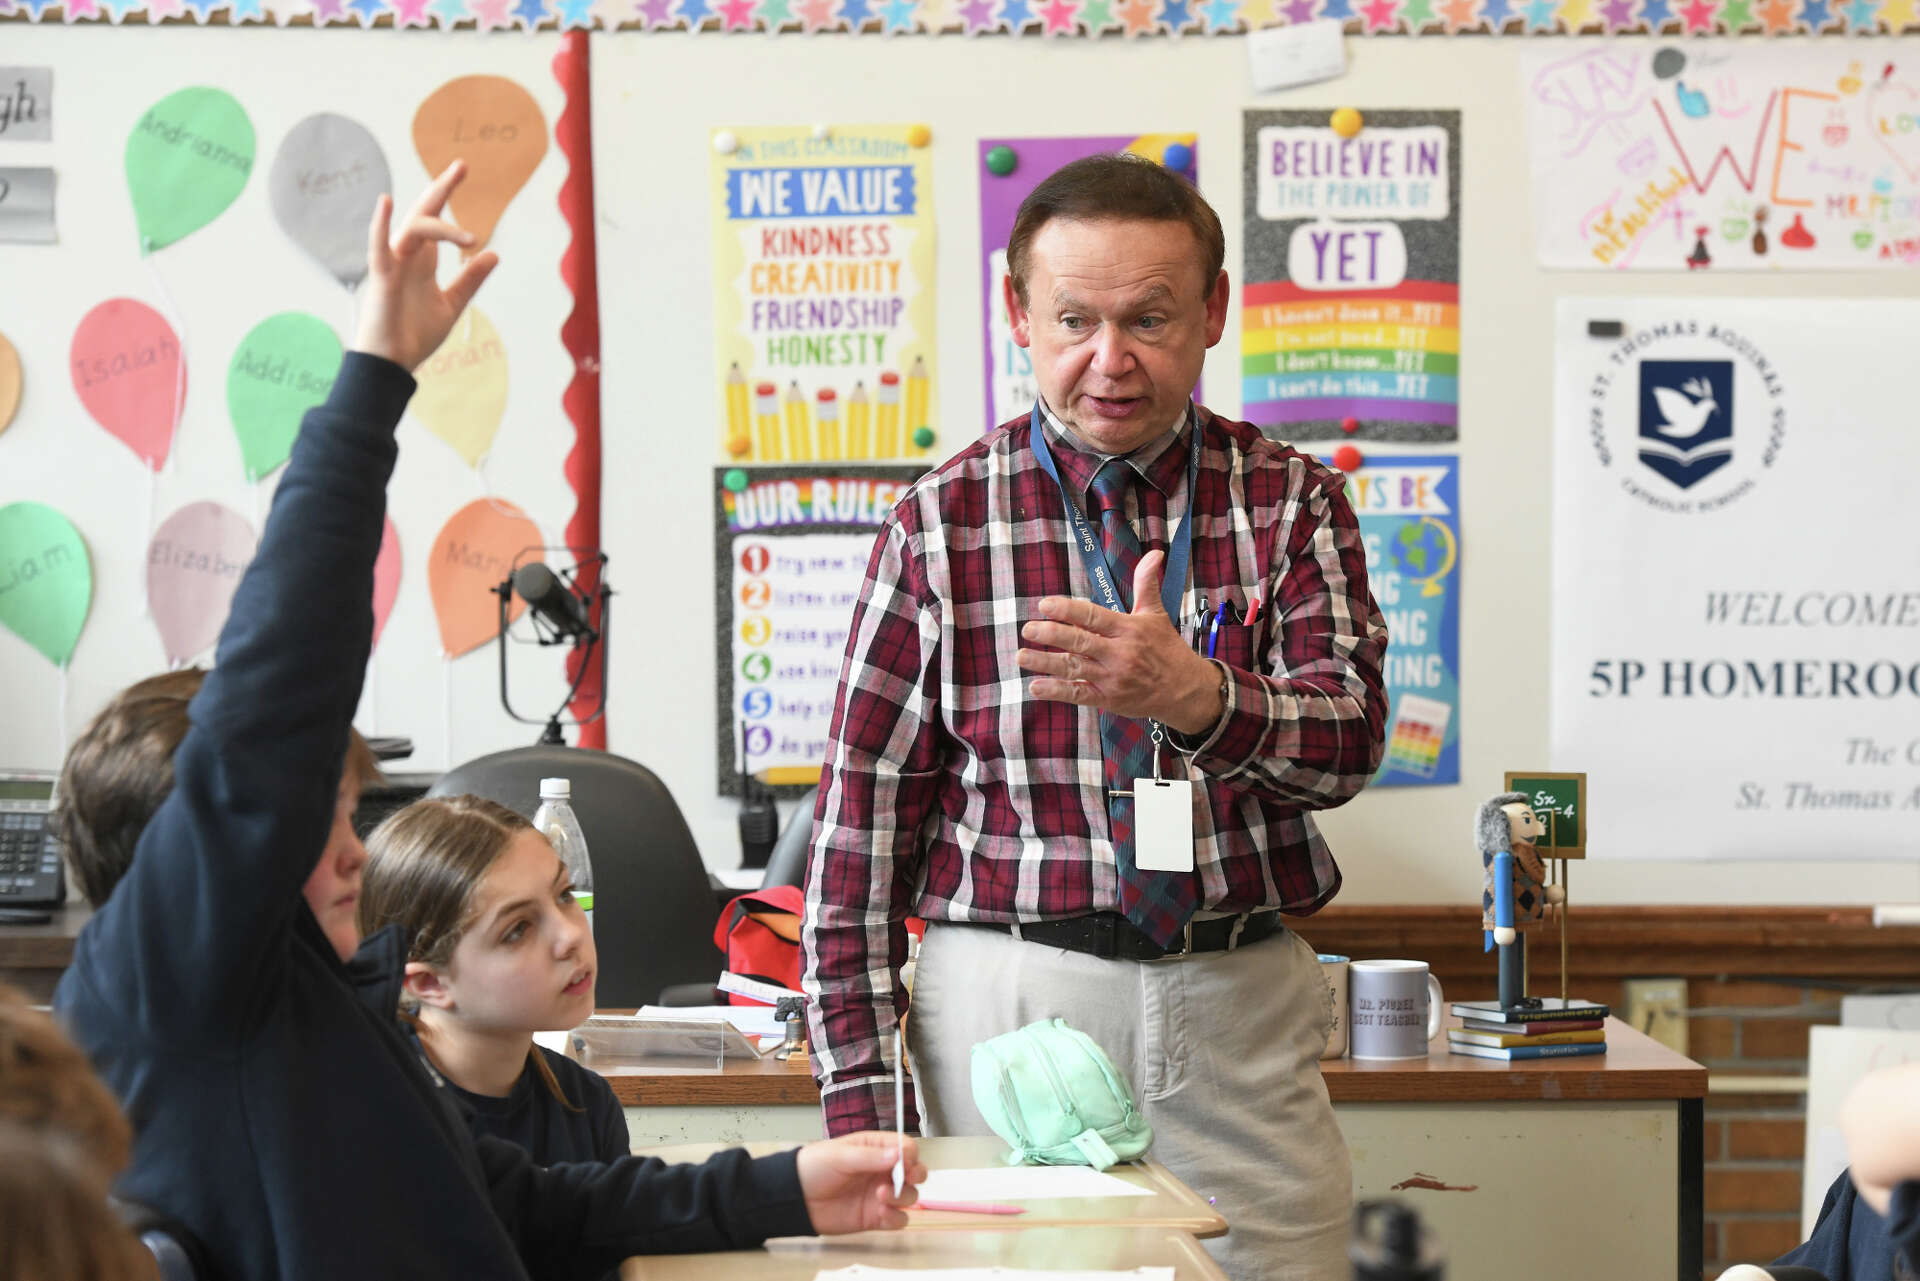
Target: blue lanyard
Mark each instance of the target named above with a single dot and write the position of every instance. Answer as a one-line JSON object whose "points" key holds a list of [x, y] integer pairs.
{"points": [[1088, 542]]}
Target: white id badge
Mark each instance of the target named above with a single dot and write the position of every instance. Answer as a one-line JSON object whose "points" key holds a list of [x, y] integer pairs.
{"points": [[1163, 824]]}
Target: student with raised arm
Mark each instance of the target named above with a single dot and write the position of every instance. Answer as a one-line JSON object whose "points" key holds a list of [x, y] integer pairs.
{"points": [[281, 1114]]}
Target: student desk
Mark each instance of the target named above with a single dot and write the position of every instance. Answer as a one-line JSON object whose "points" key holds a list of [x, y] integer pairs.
{"points": [[798, 1259], [1574, 1168], [1172, 1205]]}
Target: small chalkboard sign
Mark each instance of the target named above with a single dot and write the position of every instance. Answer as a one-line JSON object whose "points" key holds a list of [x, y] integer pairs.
{"points": [[1561, 801]]}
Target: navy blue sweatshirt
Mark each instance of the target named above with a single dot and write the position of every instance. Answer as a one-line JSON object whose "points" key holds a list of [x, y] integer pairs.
{"points": [[594, 1129], [1849, 1241], [281, 1113]]}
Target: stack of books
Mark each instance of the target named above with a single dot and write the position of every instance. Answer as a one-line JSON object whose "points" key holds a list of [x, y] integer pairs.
{"points": [[1555, 1029]]}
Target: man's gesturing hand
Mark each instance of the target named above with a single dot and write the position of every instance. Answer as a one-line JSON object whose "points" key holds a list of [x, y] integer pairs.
{"points": [[1132, 664]]}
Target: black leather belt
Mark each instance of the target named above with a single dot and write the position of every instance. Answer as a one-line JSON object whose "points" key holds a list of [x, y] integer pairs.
{"points": [[1113, 936]]}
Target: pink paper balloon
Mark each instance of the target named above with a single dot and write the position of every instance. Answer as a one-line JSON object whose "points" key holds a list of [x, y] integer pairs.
{"points": [[194, 564], [386, 579], [473, 553], [127, 369]]}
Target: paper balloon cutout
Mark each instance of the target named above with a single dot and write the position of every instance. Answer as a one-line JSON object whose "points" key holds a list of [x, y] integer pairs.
{"points": [[326, 178], [386, 578], [472, 555], [10, 381], [187, 159], [462, 388], [126, 367], [194, 564], [283, 367], [497, 128], [46, 579]]}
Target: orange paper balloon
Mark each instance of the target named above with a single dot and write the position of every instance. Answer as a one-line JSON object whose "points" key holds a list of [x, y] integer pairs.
{"points": [[472, 555], [497, 128]]}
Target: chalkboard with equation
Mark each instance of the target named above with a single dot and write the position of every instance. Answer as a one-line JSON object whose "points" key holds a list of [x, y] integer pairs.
{"points": [[1561, 801]]}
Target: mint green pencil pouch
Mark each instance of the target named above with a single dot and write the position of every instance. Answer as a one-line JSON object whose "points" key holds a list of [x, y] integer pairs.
{"points": [[1057, 1099]]}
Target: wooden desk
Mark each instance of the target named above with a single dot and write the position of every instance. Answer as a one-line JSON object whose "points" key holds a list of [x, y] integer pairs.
{"points": [[1094, 1249], [1510, 1162], [32, 957], [1172, 1204]]}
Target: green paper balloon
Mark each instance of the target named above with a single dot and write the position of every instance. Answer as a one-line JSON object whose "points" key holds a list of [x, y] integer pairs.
{"points": [[735, 480], [283, 367], [187, 159], [46, 579]]}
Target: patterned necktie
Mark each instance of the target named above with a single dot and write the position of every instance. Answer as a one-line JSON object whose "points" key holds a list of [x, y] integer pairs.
{"points": [[1160, 903]]}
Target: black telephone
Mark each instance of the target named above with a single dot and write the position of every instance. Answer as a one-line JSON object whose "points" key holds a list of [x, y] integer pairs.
{"points": [[32, 878]]}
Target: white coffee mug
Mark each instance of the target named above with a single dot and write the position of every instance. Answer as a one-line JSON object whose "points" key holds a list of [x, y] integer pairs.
{"points": [[1333, 971], [1395, 1009]]}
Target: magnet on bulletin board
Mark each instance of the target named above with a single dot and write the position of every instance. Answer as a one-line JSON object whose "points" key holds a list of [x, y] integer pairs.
{"points": [[1345, 121], [1178, 157], [1001, 160], [726, 142], [1349, 424], [1348, 458], [822, 132], [919, 136], [923, 437], [735, 480], [739, 446]]}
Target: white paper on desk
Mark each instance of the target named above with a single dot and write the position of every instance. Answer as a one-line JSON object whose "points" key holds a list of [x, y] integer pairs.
{"points": [[754, 1020], [1024, 1183], [859, 1272]]}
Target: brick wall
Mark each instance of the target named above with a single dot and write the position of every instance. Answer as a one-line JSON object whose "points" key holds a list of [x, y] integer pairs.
{"points": [[1754, 1142]]}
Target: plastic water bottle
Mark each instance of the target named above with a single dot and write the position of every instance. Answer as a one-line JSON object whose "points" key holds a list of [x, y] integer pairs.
{"points": [[555, 821]]}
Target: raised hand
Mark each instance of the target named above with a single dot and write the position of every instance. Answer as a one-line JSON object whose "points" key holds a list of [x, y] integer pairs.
{"points": [[1131, 664], [848, 1182], [406, 315]]}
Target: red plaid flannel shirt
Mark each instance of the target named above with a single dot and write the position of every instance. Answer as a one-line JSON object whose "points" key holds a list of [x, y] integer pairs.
{"points": [[952, 794]]}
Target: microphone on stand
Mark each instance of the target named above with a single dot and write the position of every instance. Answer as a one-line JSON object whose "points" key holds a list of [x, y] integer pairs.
{"points": [[553, 603]]}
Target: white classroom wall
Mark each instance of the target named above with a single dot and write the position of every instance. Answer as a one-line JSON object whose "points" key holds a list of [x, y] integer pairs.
{"points": [[655, 98]]}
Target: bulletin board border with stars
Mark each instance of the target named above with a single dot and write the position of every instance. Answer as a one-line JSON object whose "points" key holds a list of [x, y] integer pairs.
{"points": [[1062, 19]]}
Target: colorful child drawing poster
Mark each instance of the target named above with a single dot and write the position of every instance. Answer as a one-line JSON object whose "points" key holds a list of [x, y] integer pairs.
{"points": [[1350, 310], [1409, 510], [1010, 168], [823, 277], [1715, 157], [795, 543]]}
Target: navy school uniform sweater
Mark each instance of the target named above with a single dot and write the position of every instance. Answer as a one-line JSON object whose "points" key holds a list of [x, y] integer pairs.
{"points": [[1849, 1241], [280, 1111], [594, 1129]]}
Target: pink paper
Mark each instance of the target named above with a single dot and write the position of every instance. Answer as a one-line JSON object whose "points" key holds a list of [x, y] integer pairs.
{"points": [[126, 367], [386, 579], [194, 564]]}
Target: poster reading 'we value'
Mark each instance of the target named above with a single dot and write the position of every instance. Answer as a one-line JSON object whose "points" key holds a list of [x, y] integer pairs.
{"points": [[823, 277]]}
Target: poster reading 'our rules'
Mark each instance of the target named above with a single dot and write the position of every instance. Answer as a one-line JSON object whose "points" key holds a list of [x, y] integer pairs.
{"points": [[823, 273]]}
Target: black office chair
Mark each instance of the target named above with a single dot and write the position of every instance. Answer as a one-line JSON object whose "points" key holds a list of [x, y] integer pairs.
{"points": [[787, 864], [653, 913]]}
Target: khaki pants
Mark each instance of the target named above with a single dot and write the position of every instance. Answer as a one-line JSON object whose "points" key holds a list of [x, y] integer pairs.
{"points": [[1222, 1049]]}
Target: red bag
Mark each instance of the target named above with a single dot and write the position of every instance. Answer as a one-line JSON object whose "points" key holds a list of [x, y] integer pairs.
{"points": [[759, 934]]}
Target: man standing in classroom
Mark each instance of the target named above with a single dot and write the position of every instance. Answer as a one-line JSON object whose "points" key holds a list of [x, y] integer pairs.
{"points": [[1122, 576]]}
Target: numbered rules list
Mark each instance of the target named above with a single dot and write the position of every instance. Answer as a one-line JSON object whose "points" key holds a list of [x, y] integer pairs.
{"points": [[793, 546]]}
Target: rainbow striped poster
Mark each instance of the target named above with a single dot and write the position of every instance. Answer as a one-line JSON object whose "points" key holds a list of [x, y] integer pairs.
{"points": [[1350, 314]]}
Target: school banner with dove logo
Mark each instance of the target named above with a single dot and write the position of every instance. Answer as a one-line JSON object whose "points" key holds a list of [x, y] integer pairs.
{"points": [[1735, 598]]}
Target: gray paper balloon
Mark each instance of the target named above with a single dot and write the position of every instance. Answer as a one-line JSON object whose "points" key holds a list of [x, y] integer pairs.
{"points": [[327, 176]]}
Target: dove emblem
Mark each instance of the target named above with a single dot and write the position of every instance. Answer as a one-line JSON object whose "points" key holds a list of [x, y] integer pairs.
{"points": [[1686, 418]]}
